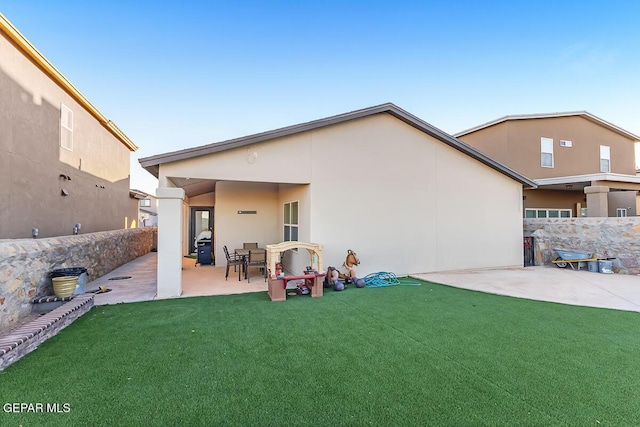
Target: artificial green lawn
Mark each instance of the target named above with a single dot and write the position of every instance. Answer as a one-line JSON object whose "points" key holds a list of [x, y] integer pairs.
{"points": [[403, 355]]}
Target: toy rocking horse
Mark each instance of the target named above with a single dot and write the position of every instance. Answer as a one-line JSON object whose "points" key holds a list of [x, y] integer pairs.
{"points": [[346, 272]]}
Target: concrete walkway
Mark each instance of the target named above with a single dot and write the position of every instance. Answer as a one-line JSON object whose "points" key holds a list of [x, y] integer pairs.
{"points": [[545, 283], [135, 281]]}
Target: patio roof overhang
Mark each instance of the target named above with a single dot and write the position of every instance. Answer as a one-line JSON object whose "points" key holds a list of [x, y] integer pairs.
{"points": [[578, 182], [194, 186]]}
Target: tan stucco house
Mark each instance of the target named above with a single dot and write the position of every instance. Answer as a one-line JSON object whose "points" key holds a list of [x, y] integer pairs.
{"points": [[63, 163], [407, 197], [582, 164], [147, 208]]}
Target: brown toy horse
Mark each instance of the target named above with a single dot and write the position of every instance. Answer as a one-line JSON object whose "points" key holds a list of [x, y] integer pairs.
{"points": [[346, 271]]}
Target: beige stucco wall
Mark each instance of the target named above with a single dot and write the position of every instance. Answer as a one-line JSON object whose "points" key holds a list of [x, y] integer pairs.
{"points": [[405, 202], [32, 160], [408, 203], [233, 229], [516, 143], [622, 199], [279, 161], [208, 199]]}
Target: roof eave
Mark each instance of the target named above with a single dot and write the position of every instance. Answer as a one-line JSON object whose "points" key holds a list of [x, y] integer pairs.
{"points": [[585, 114]]}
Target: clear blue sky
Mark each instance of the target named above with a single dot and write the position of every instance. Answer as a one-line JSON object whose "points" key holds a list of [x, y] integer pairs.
{"points": [[174, 75]]}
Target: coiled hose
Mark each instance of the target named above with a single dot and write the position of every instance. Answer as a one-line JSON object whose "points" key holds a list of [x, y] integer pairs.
{"points": [[384, 278]]}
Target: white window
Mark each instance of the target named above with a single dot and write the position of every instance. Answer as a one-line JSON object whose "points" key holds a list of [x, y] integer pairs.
{"points": [[145, 203], [291, 222], [605, 158], [546, 149], [621, 212], [547, 213], [565, 143], [66, 127]]}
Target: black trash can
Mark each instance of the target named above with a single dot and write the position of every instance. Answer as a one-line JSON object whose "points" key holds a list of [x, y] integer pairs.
{"points": [[80, 272]]}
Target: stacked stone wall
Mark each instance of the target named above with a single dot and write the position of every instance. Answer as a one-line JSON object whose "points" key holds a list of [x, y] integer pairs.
{"points": [[617, 238], [25, 264]]}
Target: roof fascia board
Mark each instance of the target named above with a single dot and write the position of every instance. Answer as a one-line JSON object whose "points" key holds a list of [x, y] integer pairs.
{"points": [[50, 70], [152, 163], [585, 114]]}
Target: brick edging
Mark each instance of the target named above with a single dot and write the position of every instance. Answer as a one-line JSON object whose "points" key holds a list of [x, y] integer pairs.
{"points": [[26, 338]]}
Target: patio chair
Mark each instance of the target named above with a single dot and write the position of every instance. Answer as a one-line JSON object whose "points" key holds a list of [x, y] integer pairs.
{"points": [[256, 259], [249, 246], [232, 260]]}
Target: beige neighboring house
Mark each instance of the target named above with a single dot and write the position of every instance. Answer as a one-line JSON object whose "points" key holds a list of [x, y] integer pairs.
{"points": [[582, 165], [147, 208], [379, 181], [63, 163]]}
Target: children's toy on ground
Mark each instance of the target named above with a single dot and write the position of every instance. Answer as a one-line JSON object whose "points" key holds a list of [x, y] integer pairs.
{"points": [[339, 278]]}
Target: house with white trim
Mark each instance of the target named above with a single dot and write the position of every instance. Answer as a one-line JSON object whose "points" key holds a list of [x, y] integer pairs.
{"points": [[582, 164], [406, 196]]}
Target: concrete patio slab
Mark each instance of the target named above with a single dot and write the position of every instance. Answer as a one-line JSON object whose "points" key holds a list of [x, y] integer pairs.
{"points": [[549, 283]]}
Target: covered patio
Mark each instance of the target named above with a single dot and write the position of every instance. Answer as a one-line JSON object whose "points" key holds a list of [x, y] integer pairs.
{"points": [[206, 280], [603, 194], [136, 281]]}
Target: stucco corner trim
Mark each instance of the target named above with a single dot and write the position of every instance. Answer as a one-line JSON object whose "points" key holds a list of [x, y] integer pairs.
{"points": [[170, 193]]}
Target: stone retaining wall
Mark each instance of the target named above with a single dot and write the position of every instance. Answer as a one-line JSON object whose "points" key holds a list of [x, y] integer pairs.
{"points": [[25, 264], [617, 238]]}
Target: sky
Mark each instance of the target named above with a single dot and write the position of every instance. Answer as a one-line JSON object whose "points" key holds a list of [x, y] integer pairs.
{"points": [[175, 75]]}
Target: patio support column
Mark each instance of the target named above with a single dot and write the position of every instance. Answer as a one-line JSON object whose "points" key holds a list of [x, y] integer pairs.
{"points": [[169, 242], [597, 203]]}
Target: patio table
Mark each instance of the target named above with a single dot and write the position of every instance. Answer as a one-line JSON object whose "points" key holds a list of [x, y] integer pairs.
{"points": [[244, 253]]}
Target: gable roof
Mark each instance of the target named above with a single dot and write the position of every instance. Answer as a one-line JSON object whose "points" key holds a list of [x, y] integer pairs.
{"points": [[584, 114], [52, 72], [152, 163]]}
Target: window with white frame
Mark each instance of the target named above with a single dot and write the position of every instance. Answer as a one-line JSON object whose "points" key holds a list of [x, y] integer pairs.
{"points": [[621, 212], [291, 222], [66, 127], [546, 152], [145, 203], [547, 213], [605, 158]]}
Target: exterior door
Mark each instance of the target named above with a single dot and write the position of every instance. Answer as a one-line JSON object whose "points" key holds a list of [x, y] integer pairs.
{"points": [[201, 220]]}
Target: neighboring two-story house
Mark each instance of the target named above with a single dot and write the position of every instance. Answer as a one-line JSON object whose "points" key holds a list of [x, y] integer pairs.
{"points": [[147, 208], [64, 166], [583, 165]]}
